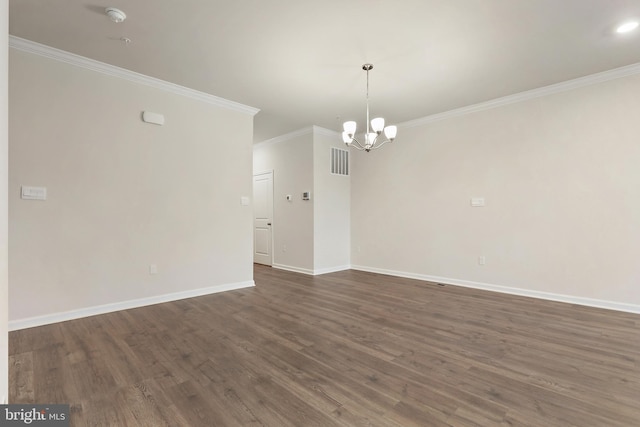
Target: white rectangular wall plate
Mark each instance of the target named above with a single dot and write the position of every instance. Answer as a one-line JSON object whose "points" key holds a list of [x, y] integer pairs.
{"points": [[33, 193], [153, 118], [477, 202]]}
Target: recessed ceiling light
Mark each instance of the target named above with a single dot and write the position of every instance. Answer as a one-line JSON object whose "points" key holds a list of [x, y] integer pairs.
{"points": [[627, 26]]}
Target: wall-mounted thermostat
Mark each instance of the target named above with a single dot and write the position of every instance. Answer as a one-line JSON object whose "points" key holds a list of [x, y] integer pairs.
{"points": [[306, 195]]}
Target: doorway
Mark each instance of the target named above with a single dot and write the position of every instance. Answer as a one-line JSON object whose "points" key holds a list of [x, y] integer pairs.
{"points": [[263, 218]]}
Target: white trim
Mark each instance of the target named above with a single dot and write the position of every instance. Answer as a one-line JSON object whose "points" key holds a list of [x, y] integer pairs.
{"points": [[293, 269], [285, 137], [309, 272], [327, 132], [589, 302], [331, 270], [111, 70], [31, 322], [310, 130], [592, 79]]}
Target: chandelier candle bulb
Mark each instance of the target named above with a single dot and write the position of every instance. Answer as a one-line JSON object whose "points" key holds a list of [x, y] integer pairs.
{"points": [[371, 138], [390, 132], [377, 125], [350, 127]]}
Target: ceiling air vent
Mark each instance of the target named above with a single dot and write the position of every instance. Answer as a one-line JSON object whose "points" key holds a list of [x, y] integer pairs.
{"points": [[339, 161]]}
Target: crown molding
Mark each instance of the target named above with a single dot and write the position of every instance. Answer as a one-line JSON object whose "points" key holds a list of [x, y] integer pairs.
{"points": [[111, 70], [298, 133], [568, 85], [285, 137], [326, 132]]}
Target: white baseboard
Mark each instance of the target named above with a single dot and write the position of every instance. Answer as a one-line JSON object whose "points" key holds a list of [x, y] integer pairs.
{"points": [[31, 322], [590, 302], [309, 272], [293, 269], [331, 269]]}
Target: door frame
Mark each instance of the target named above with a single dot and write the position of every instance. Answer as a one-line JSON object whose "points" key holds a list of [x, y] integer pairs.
{"points": [[271, 227]]}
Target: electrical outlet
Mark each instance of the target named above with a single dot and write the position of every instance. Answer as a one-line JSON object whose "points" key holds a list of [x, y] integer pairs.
{"points": [[284, 248], [153, 269], [482, 260]]}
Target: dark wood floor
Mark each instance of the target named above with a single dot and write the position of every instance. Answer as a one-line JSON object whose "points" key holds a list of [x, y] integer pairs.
{"points": [[348, 349]]}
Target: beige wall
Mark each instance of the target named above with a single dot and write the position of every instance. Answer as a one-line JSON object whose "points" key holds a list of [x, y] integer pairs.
{"points": [[291, 161], [560, 177], [122, 194], [332, 195], [4, 285], [315, 233]]}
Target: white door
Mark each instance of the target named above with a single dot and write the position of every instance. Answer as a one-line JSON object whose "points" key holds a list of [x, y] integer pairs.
{"points": [[262, 218]]}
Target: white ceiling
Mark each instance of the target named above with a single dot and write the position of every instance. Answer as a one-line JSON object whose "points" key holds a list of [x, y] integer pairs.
{"points": [[299, 61]]}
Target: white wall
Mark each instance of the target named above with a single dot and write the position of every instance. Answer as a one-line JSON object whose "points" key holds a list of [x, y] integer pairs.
{"points": [[560, 177], [316, 232], [4, 177], [122, 194], [291, 160], [332, 194]]}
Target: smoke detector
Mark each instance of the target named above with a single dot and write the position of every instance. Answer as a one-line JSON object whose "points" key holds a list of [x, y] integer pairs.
{"points": [[116, 15]]}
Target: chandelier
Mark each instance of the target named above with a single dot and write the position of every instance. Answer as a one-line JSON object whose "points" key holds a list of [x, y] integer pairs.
{"points": [[372, 140]]}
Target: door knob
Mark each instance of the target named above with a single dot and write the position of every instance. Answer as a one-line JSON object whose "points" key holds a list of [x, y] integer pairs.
{"points": [[268, 223]]}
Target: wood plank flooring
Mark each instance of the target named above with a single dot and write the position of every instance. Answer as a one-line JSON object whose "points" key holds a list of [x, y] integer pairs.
{"points": [[342, 349]]}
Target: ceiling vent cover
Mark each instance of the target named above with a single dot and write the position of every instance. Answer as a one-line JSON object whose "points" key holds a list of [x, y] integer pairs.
{"points": [[339, 161]]}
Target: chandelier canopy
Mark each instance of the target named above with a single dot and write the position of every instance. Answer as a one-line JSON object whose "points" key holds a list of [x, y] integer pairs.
{"points": [[371, 137]]}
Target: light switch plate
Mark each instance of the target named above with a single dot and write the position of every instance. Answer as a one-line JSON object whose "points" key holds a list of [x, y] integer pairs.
{"points": [[477, 202]]}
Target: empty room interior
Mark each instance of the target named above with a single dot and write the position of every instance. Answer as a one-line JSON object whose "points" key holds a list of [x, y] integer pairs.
{"points": [[337, 213]]}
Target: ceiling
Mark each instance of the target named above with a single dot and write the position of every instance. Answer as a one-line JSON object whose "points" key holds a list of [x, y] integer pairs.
{"points": [[299, 61]]}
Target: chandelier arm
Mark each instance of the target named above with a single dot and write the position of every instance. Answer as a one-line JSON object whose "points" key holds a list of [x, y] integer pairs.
{"points": [[357, 145], [375, 147]]}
